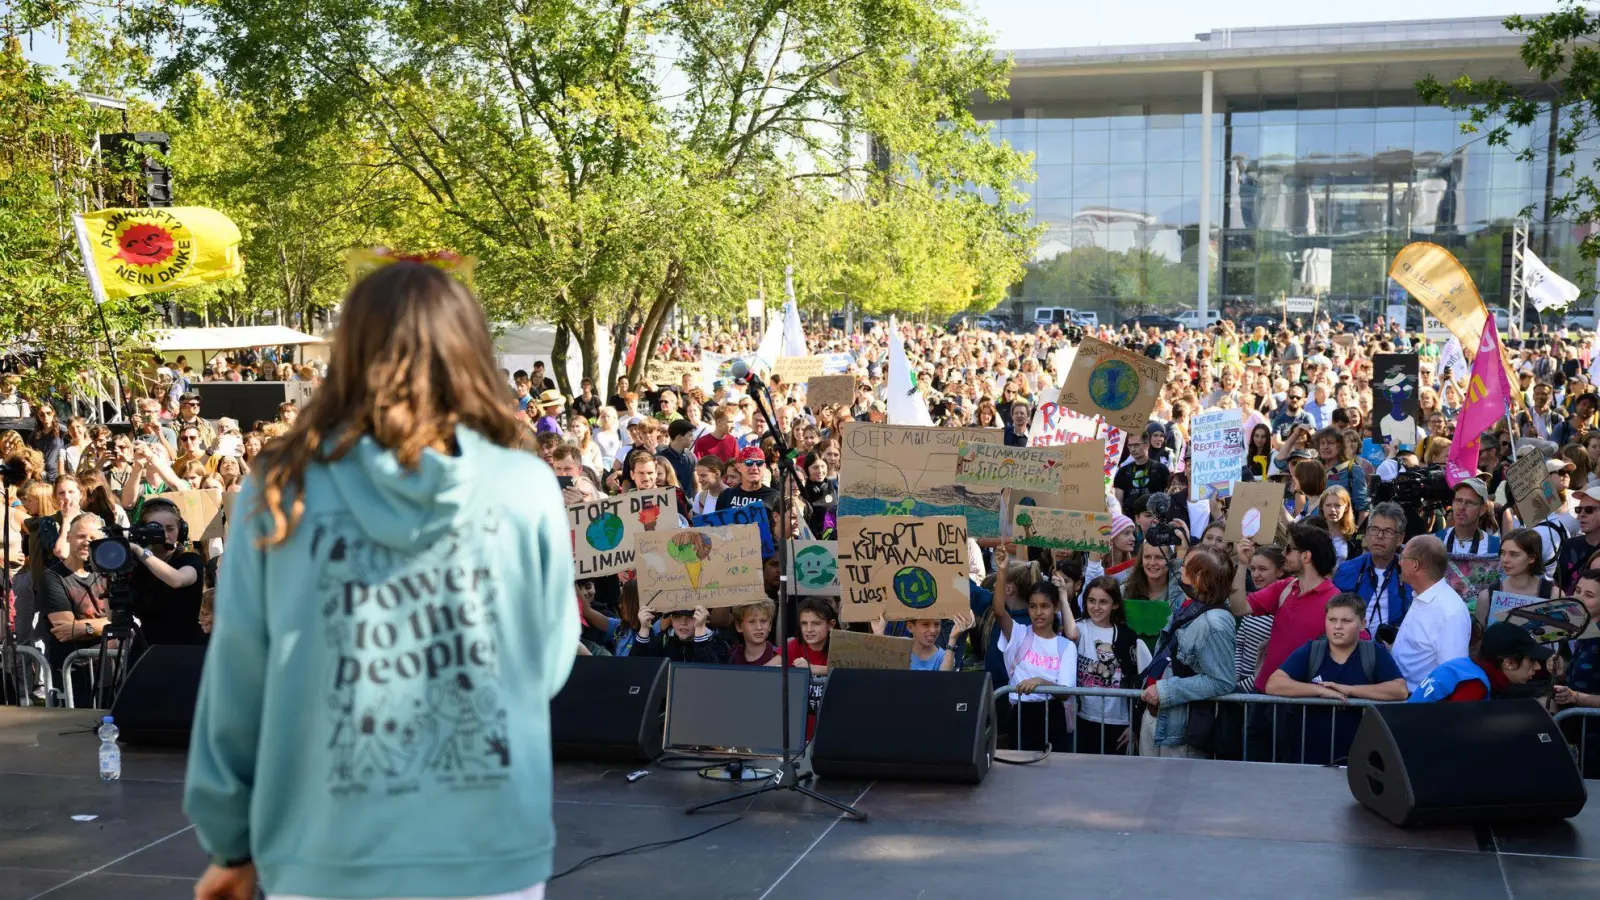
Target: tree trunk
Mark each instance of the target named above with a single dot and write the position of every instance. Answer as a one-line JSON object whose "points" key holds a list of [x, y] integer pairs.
{"points": [[558, 360], [587, 347], [619, 343], [671, 288]]}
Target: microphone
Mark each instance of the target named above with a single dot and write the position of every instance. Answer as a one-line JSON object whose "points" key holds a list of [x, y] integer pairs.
{"points": [[741, 372], [1160, 504]]}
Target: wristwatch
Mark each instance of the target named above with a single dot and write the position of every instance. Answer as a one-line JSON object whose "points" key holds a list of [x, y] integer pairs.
{"points": [[144, 553]]}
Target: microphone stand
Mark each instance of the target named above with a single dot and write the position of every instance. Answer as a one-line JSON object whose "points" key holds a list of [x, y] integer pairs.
{"points": [[787, 777]]}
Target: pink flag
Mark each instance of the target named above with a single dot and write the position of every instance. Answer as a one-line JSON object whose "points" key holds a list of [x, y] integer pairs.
{"points": [[1488, 398]]}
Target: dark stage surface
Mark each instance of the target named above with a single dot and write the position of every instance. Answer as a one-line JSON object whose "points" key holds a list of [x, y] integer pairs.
{"points": [[1074, 826]]}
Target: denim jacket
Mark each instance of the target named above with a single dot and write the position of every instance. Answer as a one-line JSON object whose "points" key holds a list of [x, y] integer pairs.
{"points": [[1206, 646]]}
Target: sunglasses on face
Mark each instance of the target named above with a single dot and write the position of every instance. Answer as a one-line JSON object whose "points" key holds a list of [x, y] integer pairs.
{"points": [[754, 463], [1587, 510]]}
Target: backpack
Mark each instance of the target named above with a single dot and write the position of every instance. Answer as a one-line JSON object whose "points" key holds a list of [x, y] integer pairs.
{"points": [[1366, 650]]}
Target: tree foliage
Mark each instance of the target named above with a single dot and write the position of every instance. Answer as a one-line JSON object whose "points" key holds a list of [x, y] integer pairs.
{"points": [[1560, 48]]}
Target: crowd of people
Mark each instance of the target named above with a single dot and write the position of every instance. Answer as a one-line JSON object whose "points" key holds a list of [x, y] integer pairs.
{"points": [[1350, 600]]}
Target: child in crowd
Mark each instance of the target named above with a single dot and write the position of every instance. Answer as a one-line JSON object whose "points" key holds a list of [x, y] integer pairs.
{"points": [[817, 619], [753, 621], [1037, 656], [685, 639], [926, 654], [620, 632], [1110, 655]]}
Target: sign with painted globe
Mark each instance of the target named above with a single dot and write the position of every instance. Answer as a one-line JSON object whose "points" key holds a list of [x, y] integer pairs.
{"points": [[1116, 384], [902, 567]]}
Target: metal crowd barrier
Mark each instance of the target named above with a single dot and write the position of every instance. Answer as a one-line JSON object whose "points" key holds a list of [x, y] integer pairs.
{"points": [[86, 656], [1259, 721], [1578, 715], [40, 671]]}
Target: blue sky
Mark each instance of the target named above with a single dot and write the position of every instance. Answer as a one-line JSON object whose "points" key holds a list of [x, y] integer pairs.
{"points": [[1019, 24]]}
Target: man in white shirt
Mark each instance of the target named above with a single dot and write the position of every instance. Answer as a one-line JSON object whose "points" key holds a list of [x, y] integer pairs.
{"points": [[1438, 626]]}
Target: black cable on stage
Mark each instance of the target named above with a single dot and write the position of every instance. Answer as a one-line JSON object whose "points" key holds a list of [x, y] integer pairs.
{"points": [[1026, 762], [653, 845], [696, 762]]}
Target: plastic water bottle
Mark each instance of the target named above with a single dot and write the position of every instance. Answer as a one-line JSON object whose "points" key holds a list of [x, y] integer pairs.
{"points": [[110, 753]]}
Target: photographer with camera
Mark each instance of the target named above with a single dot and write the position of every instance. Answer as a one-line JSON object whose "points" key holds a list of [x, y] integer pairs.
{"points": [[1375, 574], [167, 584]]}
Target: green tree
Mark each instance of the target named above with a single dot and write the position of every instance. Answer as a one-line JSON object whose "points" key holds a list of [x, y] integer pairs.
{"points": [[48, 316], [1560, 48], [609, 162]]}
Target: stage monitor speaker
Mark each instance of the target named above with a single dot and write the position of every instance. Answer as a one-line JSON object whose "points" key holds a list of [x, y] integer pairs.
{"points": [[155, 706], [1464, 764], [610, 710], [249, 402], [905, 725]]}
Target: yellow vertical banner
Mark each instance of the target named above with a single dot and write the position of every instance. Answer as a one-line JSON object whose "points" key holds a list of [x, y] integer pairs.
{"points": [[1442, 285]]}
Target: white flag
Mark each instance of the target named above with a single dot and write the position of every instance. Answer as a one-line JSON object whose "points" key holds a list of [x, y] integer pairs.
{"points": [[1452, 360], [1545, 288], [906, 406]]}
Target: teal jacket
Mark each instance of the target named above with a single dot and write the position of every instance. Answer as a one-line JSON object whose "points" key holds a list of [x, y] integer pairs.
{"points": [[373, 720]]}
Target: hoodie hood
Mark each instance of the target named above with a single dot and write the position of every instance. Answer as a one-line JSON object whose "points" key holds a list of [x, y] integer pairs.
{"points": [[407, 509]]}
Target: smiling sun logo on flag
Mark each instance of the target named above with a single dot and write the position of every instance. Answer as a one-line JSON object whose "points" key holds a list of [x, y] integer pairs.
{"points": [[150, 247]]}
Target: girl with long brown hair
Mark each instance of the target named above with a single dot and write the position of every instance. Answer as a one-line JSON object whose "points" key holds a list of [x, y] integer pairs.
{"points": [[393, 560]]}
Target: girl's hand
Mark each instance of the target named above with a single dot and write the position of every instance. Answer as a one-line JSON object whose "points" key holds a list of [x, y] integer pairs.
{"points": [[1151, 697], [701, 614], [1028, 685], [1566, 696], [647, 618], [880, 624], [1000, 555], [800, 663], [1246, 549]]}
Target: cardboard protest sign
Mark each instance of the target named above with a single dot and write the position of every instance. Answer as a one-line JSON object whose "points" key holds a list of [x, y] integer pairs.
{"points": [[831, 390], [1062, 529], [750, 514], [200, 509], [672, 372], [902, 568], [1345, 340], [1082, 487], [1216, 453], [604, 533], [814, 568], [1549, 621], [707, 567], [910, 470], [854, 650], [1022, 468], [1054, 424], [1531, 488], [1395, 404], [1254, 513], [795, 369], [1116, 384]]}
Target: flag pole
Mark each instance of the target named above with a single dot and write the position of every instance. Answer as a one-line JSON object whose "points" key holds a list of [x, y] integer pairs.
{"points": [[99, 293]]}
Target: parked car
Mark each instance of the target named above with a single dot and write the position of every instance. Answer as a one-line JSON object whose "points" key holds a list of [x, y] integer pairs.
{"points": [[987, 323], [1191, 318], [1350, 321], [1153, 320], [1046, 316], [1584, 321], [1086, 319], [1502, 318]]}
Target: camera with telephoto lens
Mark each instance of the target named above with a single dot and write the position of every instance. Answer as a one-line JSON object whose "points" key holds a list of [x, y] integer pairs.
{"points": [[1422, 488], [1160, 533], [114, 557]]}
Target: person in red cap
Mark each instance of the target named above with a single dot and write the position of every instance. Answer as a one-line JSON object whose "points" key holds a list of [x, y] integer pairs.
{"points": [[1579, 549], [752, 483]]}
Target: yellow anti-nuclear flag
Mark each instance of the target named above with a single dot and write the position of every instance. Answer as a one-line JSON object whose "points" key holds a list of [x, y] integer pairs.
{"points": [[1442, 285], [129, 252]]}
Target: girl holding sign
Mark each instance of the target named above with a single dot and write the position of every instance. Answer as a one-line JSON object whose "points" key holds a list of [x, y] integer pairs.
{"points": [[1035, 657]]}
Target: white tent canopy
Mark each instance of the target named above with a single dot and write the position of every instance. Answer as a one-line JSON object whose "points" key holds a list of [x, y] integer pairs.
{"points": [[520, 348], [193, 340]]}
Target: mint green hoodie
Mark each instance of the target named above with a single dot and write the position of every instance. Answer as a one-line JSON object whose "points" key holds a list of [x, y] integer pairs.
{"points": [[374, 716]]}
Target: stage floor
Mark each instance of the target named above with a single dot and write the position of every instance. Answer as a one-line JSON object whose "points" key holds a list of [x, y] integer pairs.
{"points": [[1072, 826]]}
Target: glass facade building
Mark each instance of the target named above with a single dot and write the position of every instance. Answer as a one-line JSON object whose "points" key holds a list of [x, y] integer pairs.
{"points": [[1323, 163]]}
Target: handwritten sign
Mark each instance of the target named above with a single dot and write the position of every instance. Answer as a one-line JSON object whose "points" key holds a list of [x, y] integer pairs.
{"points": [[1531, 487], [200, 510], [795, 369], [1022, 468], [902, 568], [707, 567], [1560, 619], [830, 390], [1115, 384], [1062, 529], [1054, 425], [854, 650], [1217, 453], [814, 568], [910, 470], [673, 372], [751, 514], [1254, 513], [605, 532]]}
